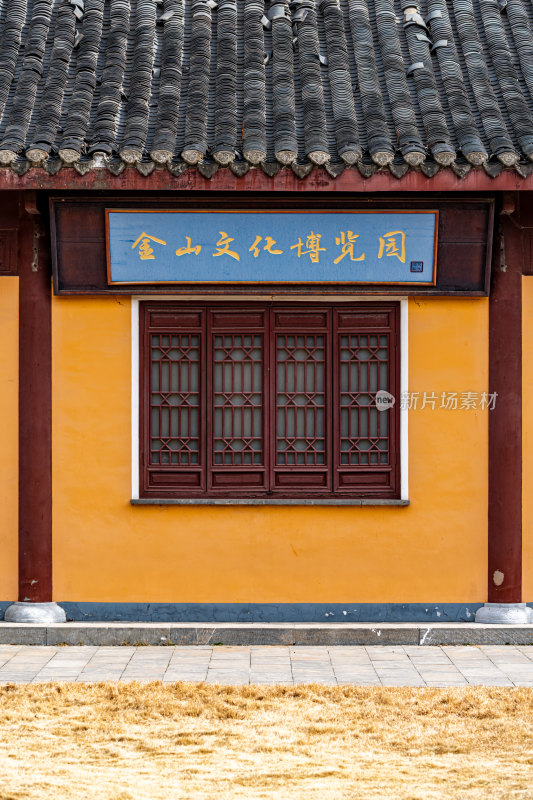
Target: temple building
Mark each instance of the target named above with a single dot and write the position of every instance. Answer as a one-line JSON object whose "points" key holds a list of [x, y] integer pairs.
{"points": [[266, 295]]}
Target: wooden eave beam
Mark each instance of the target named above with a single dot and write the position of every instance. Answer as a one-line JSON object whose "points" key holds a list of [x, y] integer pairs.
{"points": [[350, 180]]}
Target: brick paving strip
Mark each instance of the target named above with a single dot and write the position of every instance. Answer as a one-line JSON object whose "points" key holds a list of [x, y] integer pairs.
{"points": [[483, 665]]}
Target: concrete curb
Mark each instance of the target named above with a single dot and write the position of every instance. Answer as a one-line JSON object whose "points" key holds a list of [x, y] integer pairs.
{"points": [[246, 634]]}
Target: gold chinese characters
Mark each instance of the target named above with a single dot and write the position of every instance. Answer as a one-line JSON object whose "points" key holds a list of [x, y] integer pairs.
{"points": [[391, 244], [145, 250]]}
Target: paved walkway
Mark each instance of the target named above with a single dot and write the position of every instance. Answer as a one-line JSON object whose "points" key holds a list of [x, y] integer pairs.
{"points": [[486, 665]]}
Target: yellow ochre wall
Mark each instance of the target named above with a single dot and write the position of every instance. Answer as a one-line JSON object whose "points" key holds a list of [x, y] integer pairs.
{"points": [[106, 550], [9, 348], [527, 439]]}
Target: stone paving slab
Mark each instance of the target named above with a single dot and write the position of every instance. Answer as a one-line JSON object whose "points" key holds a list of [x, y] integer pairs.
{"points": [[487, 665], [260, 635]]}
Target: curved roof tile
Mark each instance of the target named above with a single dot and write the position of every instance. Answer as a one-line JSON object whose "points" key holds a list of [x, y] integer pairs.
{"points": [[327, 83]]}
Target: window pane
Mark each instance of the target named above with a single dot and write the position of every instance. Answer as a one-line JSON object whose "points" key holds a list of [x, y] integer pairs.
{"points": [[175, 398], [300, 400], [238, 398], [269, 371], [364, 370]]}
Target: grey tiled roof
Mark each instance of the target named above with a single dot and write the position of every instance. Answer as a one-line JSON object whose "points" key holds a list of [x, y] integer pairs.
{"points": [[243, 83]]}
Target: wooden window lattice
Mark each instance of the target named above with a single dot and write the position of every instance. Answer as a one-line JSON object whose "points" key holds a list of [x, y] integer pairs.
{"points": [[238, 400], [175, 400], [268, 400]]}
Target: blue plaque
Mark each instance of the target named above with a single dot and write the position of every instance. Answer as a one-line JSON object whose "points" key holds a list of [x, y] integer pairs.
{"points": [[382, 247]]}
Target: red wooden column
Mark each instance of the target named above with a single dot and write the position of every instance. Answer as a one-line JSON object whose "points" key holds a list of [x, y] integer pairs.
{"points": [[35, 411], [35, 422], [505, 426]]}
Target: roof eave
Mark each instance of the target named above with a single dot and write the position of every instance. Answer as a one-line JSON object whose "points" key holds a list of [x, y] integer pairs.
{"points": [[255, 180]]}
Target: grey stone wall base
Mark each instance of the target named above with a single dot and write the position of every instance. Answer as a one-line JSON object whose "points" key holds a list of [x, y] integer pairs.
{"points": [[352, 613], [504, 614], [243, 634], [37, 613]]}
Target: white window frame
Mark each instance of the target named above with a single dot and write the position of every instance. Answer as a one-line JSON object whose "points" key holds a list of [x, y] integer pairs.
{"points": [[404, 374]]}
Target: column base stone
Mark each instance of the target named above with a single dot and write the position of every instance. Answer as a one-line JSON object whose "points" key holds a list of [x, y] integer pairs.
{"points": [[39, 613], [504, 614]]}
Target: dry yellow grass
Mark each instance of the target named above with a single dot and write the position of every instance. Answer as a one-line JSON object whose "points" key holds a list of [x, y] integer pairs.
{"points": [[161, 742]]}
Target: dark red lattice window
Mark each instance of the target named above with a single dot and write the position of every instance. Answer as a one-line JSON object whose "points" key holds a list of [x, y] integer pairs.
{"points": [[175, 399], [269, 400]]}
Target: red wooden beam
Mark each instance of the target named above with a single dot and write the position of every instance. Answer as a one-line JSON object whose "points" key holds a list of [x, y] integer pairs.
{"points": [[35, 408], [505, 421], [256, 180]]}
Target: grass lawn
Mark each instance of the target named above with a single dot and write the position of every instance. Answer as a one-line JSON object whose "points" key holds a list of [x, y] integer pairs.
{"points": [[173, 742]]}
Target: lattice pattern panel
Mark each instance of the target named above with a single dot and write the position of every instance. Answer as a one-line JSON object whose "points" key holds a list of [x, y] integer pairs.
{"points": [[300, 400], [364, 370], [175, 400], [260, 400], [238, 400]]}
